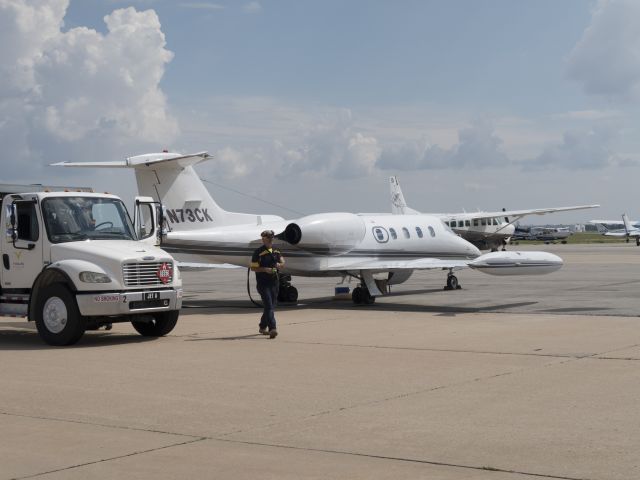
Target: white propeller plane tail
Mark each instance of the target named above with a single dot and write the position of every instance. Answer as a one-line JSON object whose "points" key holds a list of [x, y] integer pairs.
{"points": [[627, 224], [171, 179], [398, 203]]}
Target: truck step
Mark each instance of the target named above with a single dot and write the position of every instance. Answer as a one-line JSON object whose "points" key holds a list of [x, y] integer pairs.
{"points": [[13, 309], [14, 298]]}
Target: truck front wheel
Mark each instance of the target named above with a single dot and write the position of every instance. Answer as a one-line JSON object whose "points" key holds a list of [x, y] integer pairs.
{"points": [[160, 324], [57, 317]]}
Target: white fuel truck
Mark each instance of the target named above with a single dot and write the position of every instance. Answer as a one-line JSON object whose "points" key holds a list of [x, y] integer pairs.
{"points": [[74, 261]]}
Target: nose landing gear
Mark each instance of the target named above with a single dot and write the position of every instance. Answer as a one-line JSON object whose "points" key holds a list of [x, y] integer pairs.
{"points": [[452, 282]]}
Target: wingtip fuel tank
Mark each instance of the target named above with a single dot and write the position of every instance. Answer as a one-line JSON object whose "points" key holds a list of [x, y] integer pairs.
{"points": [[517, 263]]}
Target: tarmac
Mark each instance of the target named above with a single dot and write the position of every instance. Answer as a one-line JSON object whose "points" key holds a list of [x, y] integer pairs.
{"points": [[509, 378]]}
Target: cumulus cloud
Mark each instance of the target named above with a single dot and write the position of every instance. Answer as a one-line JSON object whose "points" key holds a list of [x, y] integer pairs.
{"points": [[606, 59], [581, 149], [331, 147], [80, 91], [252, 7], [478, 147]]}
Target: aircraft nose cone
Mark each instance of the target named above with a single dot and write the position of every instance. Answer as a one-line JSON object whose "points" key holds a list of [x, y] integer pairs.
{"points": [[469, 248]]}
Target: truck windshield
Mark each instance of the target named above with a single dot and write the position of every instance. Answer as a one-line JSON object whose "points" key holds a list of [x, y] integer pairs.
{"points": [[70, 219]]}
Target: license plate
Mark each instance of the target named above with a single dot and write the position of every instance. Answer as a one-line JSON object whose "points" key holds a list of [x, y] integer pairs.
{"points": [[151, 296]]}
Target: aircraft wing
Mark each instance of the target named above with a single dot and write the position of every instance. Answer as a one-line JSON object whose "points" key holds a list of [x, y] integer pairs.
{"points": [[515, 213], [494, 263]]}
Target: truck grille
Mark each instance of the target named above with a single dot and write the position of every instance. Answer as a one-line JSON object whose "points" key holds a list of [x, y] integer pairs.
{"points": [[138, 274]]}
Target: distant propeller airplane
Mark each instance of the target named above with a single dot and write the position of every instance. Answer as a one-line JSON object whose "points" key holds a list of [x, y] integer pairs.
{"points": [[486, 230]]}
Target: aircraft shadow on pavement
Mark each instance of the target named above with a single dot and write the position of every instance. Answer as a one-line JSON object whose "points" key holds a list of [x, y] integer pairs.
{"points": [[329, 303], [23, 336]]}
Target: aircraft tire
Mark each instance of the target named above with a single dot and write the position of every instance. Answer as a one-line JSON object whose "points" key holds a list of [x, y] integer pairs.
{"points": [[452, 283], [291, 294], [368, 298], [357, 295]]}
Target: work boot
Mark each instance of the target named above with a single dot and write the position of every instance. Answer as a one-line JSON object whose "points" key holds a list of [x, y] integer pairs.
{"points": [[273, 333], [263, 331]]}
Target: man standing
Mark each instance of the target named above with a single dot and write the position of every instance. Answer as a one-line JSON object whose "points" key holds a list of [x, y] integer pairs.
{"points": [[266, 261]]}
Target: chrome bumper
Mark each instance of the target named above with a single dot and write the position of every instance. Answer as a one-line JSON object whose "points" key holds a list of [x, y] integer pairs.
{"points": [[127, 303]]}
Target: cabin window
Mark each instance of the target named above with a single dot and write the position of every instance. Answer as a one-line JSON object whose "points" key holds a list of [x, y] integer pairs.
{"points": [[380, 234], [467, 223], [483, 221], [419, 232], [405, 231], [475, 222], [393, 233], [432, 231]]}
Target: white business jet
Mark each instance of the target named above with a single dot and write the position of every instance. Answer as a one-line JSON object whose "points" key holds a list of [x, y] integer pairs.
{"points": [[629, 230], [378, 250], [486, 230]]}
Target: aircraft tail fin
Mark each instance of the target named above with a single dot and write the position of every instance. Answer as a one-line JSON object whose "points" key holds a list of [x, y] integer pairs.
{"points": [[627, 223], [398, 204], [171, 179]]}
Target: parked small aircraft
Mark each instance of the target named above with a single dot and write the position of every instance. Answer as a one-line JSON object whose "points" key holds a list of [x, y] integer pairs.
{"points": [[378, 250], [545, 234], [486, 230], [629, 230]]}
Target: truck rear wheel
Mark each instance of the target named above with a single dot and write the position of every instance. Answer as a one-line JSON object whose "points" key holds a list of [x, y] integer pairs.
{"points": [[161, 324], [57, 317]]}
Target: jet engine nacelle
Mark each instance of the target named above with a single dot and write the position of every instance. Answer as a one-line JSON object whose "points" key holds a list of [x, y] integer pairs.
{"points": [[517, 263], [325, 233]]}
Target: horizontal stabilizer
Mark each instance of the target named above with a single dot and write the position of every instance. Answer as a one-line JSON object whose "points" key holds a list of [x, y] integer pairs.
{"points": [[170, 160]]}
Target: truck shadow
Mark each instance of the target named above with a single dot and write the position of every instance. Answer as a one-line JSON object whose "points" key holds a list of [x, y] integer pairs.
{"points": [[14, 336]]}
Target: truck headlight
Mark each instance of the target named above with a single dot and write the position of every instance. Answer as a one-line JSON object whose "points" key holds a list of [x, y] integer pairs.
{"points": [[94, 277]]}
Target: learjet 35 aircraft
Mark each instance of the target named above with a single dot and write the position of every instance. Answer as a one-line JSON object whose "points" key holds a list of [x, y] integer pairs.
{"points": [[486, 230], [378, 250]]}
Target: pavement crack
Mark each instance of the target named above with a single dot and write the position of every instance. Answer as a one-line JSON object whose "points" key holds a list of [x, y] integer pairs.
{"points": [[117, 457], [95, 424], [406, 459]]}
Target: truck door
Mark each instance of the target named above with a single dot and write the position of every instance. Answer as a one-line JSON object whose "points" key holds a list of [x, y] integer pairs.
{"points": [[21, 244], [147, 220]]}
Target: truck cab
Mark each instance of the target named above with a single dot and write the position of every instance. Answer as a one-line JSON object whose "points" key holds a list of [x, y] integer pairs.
{"points": [[73, 261]]}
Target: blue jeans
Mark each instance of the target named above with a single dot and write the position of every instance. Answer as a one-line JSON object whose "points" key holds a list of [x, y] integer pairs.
{"points": [[269, 295]]}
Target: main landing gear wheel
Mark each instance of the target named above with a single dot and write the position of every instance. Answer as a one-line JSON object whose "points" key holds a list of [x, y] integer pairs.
{"points": [[638, 241], [57, 317], [287, 293], [361, 296], [452, 283], [161, 324]]}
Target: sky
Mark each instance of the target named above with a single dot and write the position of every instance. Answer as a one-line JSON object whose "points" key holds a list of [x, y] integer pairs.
{"points": [[309, 106]]}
